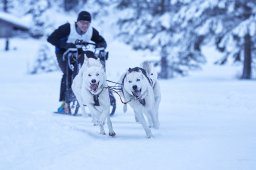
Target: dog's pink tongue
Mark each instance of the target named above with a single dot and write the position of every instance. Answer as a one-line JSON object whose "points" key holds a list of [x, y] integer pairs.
{"points": [[94, 86], [136, 93]]}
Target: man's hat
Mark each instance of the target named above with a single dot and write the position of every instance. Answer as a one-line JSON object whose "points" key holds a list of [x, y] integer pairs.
{"points": [[85, 16]]}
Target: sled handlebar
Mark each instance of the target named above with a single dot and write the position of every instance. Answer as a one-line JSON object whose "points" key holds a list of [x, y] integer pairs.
{"points": [[83, 43]]}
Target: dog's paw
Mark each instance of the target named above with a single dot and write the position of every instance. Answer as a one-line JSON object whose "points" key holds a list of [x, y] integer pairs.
{"points": [[102, 132], [95, 122], [100, 123], [148, 133], [149, 136], [125, 108], [137, 120], [156, 126], [112, 134]]}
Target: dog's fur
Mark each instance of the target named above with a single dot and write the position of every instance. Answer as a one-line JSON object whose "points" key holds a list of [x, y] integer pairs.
{"points": [[139, 93], [89, 87], [153, 76]]}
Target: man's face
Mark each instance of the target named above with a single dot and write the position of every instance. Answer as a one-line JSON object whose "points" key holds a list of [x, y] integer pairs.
{"points": [[83, 25]]}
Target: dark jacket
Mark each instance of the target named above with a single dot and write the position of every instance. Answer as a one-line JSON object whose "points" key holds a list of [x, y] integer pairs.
{"points": [[59, 38]]}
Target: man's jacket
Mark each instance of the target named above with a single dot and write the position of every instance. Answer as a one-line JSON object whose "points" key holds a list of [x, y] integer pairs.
{"points": [[59, 38]]}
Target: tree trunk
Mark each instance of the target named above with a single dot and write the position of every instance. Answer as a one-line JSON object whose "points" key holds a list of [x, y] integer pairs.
{"points": [[5, 8], [164, 68], [70, 4], [66, 5], [247, 57], [7, 44]]}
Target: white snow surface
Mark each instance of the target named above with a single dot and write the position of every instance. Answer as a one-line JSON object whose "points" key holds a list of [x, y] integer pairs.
{"points": [[208, 121]]}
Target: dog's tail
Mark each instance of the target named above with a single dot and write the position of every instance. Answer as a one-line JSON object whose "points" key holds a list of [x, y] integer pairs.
{"points": [[125, 108]]}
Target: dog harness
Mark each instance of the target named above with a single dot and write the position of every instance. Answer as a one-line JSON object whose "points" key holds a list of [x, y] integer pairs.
{"points": [[142, 101], [137, 69], [96, 100]]}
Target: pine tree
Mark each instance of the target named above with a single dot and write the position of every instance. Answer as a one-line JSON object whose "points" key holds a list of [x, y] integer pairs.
{"points": [[239, 26], [151, 25], [176, 30]]}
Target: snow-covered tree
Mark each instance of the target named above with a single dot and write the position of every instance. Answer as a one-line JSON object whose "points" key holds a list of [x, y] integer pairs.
{"points": [[6, 5], [176, 29], [156, 26], [234, 39], [45, 61]]}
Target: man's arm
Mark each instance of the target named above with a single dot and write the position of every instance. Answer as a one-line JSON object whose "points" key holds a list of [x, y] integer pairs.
{"points": [[59, 37], [98, 39]]}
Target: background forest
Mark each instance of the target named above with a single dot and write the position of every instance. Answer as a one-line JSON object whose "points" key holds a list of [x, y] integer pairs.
{"points": [[172, 30]]}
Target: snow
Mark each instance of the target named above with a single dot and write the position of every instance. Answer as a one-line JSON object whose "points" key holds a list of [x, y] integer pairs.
{"points": [[207, 120], [22, 22], [165, 21]]}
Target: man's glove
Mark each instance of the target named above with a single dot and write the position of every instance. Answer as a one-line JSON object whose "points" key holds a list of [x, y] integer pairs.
{"points": [[101, 45], [103, 55]]}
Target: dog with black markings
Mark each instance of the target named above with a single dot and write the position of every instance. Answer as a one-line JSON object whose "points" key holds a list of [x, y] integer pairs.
{"points": [[138, 93]]}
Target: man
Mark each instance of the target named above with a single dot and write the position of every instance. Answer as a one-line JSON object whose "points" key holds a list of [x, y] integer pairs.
{"points": [[64, 38]]}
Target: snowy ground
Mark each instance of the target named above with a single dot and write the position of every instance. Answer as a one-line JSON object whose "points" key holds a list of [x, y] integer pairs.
{"points": [[208, 121]]}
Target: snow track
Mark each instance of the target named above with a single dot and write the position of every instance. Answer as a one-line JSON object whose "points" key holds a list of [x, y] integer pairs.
{"points": [[206, 123]]}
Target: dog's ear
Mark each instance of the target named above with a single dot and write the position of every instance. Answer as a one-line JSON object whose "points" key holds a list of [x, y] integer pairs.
{"points": [[146, 66], [142, 76], [88, 63]]}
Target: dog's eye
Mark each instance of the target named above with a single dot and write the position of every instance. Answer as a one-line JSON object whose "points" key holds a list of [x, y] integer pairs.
{"points": [[151, 74], [130, 81], [97, 74], [89, 75], [138, 80]]}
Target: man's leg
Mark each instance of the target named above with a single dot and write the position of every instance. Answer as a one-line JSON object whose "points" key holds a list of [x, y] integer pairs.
{"points": [[62, 65]]}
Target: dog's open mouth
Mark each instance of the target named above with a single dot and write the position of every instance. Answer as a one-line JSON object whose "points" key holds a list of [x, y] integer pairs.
{"points": [[136, 93], [94, 86]]}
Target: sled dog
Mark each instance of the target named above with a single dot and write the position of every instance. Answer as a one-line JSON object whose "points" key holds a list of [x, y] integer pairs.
{"points": [[138, 92], [152, 75], [89, 87]]}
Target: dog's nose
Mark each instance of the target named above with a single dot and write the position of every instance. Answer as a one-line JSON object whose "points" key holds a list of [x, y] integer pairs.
{"points": [[134, 87], [93, 81]]}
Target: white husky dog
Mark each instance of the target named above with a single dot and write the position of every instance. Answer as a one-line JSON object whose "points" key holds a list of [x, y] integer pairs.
{"points": [[153, 76], [138, 92], [89, 87]]}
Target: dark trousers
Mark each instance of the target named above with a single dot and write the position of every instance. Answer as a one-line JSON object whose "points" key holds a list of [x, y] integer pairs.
{"points": [[63, 67]]}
